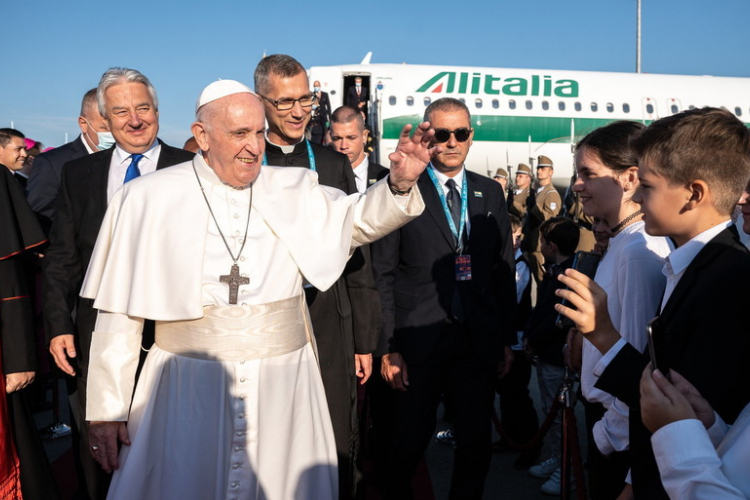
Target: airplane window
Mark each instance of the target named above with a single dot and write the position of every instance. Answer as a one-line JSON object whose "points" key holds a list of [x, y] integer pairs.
{"points": [[649, 108], [691, 107], [545, 105], [495, 103], [674, 109], [610, 107], [625, 107], [738, 111], [427, 101], [578, 106], [561, 105], [410, 101], [478, 103], [392, 100], [529, 105], [594, 106], [462, 100], [512, 104]]}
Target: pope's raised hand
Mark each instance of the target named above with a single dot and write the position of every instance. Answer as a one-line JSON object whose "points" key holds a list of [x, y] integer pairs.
{"points": [[412, 155]]}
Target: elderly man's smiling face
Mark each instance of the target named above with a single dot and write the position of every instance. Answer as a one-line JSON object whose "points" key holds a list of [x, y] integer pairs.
{"points": [[132, 116], [231, 137]]}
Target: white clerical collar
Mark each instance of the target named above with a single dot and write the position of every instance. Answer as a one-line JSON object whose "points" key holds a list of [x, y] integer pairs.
{"points": [[285, 148], [120, 155], [442, 178]]}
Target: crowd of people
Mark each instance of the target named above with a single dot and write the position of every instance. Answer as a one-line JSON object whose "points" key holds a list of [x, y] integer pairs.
{"points": [[220, 315]]}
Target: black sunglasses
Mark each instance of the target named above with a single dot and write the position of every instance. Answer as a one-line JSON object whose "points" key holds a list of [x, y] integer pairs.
{"points": [[443, 134]]}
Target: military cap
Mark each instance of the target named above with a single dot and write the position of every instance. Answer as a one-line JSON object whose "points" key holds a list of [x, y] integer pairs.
{"points": [[543, 161], [502, 173], [523, 169]]}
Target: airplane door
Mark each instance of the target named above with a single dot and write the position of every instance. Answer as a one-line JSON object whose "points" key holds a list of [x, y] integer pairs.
{"points": [[650, 113], [674, 106]]}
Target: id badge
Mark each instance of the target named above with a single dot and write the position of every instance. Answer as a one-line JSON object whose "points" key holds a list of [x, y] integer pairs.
{"points": [[463, 267]]}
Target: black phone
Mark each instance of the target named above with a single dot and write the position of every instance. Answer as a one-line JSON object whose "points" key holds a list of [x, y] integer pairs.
{"points": [[586, 263], [657, 355]]}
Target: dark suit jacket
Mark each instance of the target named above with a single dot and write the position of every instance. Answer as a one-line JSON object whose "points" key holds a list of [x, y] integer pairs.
{"points": [[375, 172], [44, 180], [415, 274], [703, 335], [80, 210], [353, 100]]}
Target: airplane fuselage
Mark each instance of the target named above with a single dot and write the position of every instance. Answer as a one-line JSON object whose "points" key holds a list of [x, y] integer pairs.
{"points": [[519, 114]]}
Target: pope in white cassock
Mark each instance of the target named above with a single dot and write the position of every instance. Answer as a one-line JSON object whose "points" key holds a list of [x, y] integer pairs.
{"points": [[230, 402]]}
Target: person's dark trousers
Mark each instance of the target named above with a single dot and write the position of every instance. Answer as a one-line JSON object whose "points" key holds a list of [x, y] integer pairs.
{"points": [[606, 473], [455, 368], [380, 403], [517, 414]]}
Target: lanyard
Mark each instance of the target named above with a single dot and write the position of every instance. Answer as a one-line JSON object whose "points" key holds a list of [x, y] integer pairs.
{"points": [[464, 204], [310, 156]]}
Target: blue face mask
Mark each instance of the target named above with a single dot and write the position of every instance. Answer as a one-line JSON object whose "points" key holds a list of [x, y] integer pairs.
{"points": [[106, 140], [316, 89]]}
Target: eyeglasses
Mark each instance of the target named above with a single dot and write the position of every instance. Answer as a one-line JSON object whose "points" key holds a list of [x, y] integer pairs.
{"points": [[461, 134], [286, 104]]}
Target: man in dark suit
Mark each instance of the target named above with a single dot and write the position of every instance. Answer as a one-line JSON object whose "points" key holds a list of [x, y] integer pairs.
{"points": [[349, 137], [128, 103], [321, 114], [44, 180], [447, 284], [345, 318], [358, 96]]}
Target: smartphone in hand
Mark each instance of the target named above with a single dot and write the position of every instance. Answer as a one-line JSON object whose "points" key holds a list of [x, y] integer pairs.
{"points": [[658, 361], [586, 263]]}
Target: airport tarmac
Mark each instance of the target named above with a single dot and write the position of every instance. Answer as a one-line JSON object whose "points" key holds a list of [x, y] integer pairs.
{"points": [[504, 482]]}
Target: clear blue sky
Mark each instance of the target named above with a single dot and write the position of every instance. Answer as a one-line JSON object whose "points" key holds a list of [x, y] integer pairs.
{"points": [[57, 50]]}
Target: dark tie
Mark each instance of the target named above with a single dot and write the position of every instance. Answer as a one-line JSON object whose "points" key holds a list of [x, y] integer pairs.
{"points": [[454, 202], [133, 171]]}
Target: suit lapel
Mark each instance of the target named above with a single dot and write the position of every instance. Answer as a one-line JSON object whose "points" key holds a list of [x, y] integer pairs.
{"points": [[165, 157], [476, 197], [434, 207], [477, 202]]}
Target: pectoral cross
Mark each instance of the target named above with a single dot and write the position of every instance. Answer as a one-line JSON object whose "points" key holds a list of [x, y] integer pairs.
{"points": [[234, 280]]}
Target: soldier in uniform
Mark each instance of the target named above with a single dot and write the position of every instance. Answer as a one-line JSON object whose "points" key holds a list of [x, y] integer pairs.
{"points": [[523, 185], [501, 177], [542, 203]]}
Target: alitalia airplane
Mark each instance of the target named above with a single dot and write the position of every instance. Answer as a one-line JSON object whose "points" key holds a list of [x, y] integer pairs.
{"points": [[519, 114]]}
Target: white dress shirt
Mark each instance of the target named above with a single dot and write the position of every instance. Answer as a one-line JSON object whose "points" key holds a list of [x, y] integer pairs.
{"points": [[121, 161], [360, 175]]}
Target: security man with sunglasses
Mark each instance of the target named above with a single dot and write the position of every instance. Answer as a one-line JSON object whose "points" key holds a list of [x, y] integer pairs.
{"points": [[447, 284], [346, 317]]}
